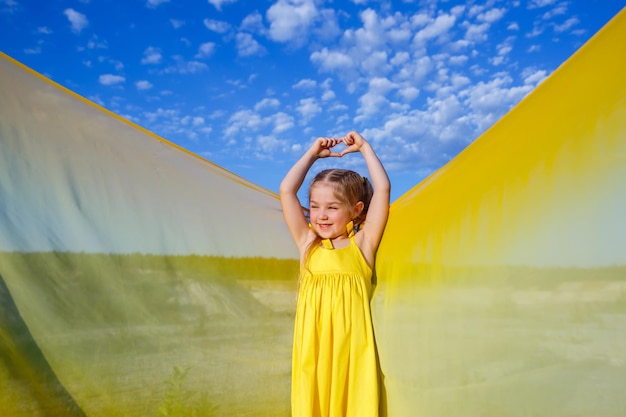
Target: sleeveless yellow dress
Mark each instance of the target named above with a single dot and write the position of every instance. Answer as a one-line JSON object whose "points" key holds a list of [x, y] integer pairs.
{"points": [[334, 372]]}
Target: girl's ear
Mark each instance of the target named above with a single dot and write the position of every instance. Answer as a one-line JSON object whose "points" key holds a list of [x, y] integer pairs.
{"points": [[358, 208]]}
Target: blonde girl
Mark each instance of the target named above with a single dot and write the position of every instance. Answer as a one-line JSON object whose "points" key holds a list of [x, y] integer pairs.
{"points": [[334, 369]]}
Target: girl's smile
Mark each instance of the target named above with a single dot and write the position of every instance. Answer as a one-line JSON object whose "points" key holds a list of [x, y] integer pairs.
{"points": [[329, 216]]}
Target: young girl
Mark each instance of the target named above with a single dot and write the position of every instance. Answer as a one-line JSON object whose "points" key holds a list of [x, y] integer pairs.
{"points": [[334, 354]]}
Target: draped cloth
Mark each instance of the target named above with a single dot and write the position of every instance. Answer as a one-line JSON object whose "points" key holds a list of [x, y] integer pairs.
{"points": [[499, 283]]}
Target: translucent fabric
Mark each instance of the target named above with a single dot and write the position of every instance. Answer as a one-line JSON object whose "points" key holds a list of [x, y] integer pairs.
{"points": [[137, 279], [502, 277]]}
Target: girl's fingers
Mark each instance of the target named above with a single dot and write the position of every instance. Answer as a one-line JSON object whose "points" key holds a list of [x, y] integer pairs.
{"points": [[328, 142], [349, 149]]}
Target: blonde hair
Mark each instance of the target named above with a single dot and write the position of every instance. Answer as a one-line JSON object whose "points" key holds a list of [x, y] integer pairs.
{"points": [[350, 188]]}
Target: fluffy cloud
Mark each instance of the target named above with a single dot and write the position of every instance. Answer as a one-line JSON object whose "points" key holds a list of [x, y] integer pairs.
{"points": [[151, 55], [77, 20], [247, 45], [216, 25], [205, 50], [290, 19], [143, 85], [218, 3], [111, 79]]}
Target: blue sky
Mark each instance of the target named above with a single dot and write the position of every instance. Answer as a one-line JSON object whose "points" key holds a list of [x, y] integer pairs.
{"points": [[249, 84]]}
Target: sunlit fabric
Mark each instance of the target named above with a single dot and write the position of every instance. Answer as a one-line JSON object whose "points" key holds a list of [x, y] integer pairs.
{"points": [[138, 279], [502, 277]]}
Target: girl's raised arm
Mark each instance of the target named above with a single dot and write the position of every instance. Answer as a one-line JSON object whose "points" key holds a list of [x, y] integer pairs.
{"points": [[378, 212], [292, 209]]}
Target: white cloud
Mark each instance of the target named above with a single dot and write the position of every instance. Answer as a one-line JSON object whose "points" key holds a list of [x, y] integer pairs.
{"points": [[9, 6], [143, 85], [537, 30], [253, 23], [326, 28], [282, 122], [249, 122], [205, 50], [331, 60], [458, 60], [290, 20], [308, 108], [77, 20], [535, 4], [477, 33], [306, 83], [420, 19], [247, 45], [371, 36], [268, 144], [445, 111], [177, 23], [458, 80], [400, 58], [409, 93], [216, 25], [475, 10], [567, 25], [244, 120], [489, 100], [533, 76], [155, 3], [218, 3], [558, 10], [44, 30], [381, 85], [266, 103], [492, 15], [503, 50], [185, 67], [437, 27], [111, 79], [375, 64], [457, 11], [513, 26], [151, 55], [328, 95], [161, 114], [416, 70], [96, 43], [194, 121], [374, 100]]}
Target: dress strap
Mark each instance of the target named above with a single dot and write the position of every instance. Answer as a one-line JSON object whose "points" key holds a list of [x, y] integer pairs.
{"points": [[327, 244], [350, 228]]}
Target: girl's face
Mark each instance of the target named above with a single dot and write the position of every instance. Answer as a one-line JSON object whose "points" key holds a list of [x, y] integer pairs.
{"points": [[329, 215]]}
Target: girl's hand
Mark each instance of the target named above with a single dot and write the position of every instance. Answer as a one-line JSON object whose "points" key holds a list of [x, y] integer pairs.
{"points": [[322, 147], [353, 141]]}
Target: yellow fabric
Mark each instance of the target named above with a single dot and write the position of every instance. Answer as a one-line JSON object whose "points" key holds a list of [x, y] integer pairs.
{"points": [[502, 277], [334, 354], [136, 278]]}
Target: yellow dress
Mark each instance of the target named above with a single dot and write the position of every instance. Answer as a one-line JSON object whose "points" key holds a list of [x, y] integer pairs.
{"points": [[334, 372]]}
